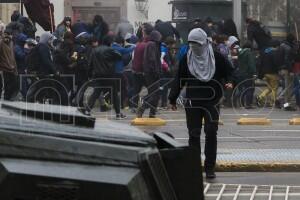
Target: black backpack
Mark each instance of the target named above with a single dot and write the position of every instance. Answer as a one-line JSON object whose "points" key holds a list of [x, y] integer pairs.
{"points": [[32, 61]]}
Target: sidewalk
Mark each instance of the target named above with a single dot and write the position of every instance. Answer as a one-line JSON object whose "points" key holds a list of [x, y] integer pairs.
{"points": [[263, 160]]}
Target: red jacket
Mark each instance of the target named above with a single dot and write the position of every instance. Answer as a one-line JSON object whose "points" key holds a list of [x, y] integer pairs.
{"points": [[138, 59]]}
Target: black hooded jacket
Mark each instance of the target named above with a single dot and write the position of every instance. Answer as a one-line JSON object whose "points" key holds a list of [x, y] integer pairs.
{"points": [[202, 93]]}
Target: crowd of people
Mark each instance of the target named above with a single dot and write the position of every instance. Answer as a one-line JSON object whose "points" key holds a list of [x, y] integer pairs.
{"points": [[213, 69]]}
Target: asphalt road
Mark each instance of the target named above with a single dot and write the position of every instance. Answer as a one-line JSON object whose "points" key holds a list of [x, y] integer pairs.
{"points": [[279, 135]]}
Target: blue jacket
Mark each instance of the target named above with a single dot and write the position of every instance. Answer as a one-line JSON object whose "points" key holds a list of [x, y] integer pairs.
{"points": [[119, 67], [21, 52]]}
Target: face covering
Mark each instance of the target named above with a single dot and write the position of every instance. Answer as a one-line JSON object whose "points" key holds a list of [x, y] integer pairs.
{"points": [[201, 59]]}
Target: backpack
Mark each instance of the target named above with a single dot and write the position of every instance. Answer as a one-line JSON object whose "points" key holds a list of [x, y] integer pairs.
{"points": [[266, 30], [29, 28], [32, 61]]}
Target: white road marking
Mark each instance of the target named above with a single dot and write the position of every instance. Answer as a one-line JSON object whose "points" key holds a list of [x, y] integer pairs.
{"points": [[262, 137]]}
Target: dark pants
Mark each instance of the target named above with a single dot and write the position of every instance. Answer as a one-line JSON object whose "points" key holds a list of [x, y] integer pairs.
{"points": [[297, 89], [194, 116], [245, 92], [123, 89], [139, 82], [152, 98], [11, 85], [130, 87], [165, 85], [103, 85]]}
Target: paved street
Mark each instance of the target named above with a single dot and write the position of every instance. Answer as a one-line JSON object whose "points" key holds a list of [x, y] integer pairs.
{"points": [[278, 142]]}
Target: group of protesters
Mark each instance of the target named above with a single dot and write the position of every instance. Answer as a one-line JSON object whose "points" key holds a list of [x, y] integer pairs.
{"points": [[78, 53], [213, 68]]}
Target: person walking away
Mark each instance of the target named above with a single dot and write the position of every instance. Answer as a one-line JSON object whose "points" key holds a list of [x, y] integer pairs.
{"points": [[118, 45], [64, 27], [202, 72], [42, 59], [167, 59], [246, 76], [138, 65], [103, 62], [288, 52], [65, 59], [20, 55], [130, 40], [268, 71], [9, 84], [152, 71], [99, 28], [124, 27], [258, 33], [296, 71]]}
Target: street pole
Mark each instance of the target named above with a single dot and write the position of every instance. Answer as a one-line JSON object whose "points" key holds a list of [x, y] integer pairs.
{"points": [[288, 12], [237, 15], [22, 7]]}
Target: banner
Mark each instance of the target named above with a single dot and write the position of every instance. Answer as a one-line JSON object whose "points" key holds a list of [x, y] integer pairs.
{"points": [[41, 12]]}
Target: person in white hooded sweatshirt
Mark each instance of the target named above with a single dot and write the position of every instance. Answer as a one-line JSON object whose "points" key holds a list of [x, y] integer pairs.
{"points": [[203, 72]]}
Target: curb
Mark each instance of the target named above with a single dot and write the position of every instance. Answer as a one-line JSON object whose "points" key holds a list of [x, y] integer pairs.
{"points": [[254, 121], [148, 122], [257, 167], [294, 122]]}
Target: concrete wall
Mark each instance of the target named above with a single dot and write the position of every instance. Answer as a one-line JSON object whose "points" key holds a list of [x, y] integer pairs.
{"points": [[6, 10], [274, 12]]}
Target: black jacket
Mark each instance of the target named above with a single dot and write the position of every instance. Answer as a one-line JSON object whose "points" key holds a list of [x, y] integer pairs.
{"points": [[288, 54], [269, 62], [167, 30], [103, 61], [46, 63], [257, 33], [202, 93]]}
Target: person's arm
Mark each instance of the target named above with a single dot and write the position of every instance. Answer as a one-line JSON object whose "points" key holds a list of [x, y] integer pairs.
{"points": [[178, 83], [251, 63], [124, 51]]}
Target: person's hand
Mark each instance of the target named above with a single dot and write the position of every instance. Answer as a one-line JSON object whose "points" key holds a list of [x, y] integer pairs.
{"points": [[229, 86], [173, 107]]}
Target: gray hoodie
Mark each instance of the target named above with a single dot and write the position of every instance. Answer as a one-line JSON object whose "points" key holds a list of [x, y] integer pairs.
{"points": [[124, 27]]}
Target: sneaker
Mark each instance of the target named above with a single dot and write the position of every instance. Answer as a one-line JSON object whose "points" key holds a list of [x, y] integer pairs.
{"points": [[210, 174], [121, 116]]}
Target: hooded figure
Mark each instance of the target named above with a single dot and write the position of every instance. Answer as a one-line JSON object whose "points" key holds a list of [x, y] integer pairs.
{"points": [[202, 73], [124, 27], [152, 71], [46, 64], [201, 59]]}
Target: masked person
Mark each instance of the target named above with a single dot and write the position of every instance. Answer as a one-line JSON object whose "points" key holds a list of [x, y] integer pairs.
{"points": [[8, 67], [202, 71]]}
